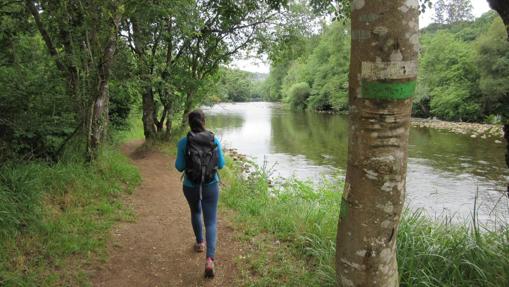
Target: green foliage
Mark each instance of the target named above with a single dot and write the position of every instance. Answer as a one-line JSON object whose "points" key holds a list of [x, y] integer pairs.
{"points": [[124, 88], [52, 214], [328, 69], [463, 69], [239, 86], [462, 74], [493, 64], [298, 95], [493, 119], [448, 70], [273, 84], [35, 112], [46, 97], [302, 218], [322, 64]]}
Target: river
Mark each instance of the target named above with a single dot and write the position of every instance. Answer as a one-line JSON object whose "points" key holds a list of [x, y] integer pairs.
{"points": [[446, 171]]}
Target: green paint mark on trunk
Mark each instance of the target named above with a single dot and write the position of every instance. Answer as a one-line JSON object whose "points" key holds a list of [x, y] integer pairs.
{"points": [[379, 90]]}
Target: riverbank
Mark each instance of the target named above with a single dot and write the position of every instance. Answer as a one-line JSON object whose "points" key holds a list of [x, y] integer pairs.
{"points": [[474, 130], [292, 231]]}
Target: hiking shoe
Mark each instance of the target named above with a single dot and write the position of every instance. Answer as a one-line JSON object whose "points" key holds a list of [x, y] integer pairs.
{"points": [[209, 268], [199, 247]]}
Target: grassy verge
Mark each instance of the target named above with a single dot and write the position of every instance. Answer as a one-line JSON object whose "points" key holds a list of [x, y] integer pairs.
{"points": [[298, 248], [54, 220]]}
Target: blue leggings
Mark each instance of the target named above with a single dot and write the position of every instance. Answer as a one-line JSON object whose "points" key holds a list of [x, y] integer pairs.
{"points": [[210, 196]]}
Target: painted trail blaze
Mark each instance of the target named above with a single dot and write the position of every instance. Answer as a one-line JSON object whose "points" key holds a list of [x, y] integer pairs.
{"points": [[393, 80], [388, 90]]}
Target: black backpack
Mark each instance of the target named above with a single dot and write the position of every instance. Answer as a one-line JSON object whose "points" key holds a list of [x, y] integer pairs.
{"points": [[201, 157]]}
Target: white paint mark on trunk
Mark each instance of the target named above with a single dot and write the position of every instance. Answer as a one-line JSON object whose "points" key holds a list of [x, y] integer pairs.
{"points": [[380, 30], [413, 25], [401, 185], [388, 186], [396, 56], [390, 119], [404, 8], [99, 103], [412, 3], [345, 282], [371, 174], [352, 264], [384, 269], [386, 254], [387, 208], [358, 4], [361, 253], [389, 70]]}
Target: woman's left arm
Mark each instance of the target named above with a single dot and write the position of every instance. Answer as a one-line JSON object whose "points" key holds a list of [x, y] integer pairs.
{"points": [[180, 162], [220, 161]]}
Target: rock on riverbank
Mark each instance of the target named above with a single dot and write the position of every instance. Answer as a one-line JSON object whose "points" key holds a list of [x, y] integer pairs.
{"points": [[475, 130]]}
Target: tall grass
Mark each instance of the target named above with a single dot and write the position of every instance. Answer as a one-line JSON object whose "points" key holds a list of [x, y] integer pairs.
{"points": [[304, 219], [132, 131], [53, 219], [439, 254]]}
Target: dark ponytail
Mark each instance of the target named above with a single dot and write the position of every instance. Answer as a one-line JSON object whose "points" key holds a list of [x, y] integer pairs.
{"points": [[196, 121]]}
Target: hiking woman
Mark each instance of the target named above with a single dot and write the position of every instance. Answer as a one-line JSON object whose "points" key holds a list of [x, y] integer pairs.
{"points": [[199, 155]]}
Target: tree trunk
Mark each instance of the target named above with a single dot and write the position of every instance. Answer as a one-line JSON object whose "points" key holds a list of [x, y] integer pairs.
{"points": [[98, 119], [506, 137], [149, 126], [99, 111], [383, 70], [167, 136], [502, 8], [160, 123], [188, 106]]}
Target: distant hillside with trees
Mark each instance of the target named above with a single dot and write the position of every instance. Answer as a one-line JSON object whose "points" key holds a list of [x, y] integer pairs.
{"points": [[236, 85], [464, 67]]}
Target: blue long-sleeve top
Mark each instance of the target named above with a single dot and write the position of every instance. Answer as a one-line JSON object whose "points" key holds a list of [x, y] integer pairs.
{"points": [[180, 162]]}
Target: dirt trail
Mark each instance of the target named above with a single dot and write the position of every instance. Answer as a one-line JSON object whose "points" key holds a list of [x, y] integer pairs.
{"points": [[156, 250]]}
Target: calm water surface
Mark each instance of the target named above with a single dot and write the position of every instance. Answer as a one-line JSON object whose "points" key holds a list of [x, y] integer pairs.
{"points": [[445, 170]]}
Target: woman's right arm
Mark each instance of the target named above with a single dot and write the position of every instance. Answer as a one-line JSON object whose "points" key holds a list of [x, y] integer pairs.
{"points": [[180, 162]]}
